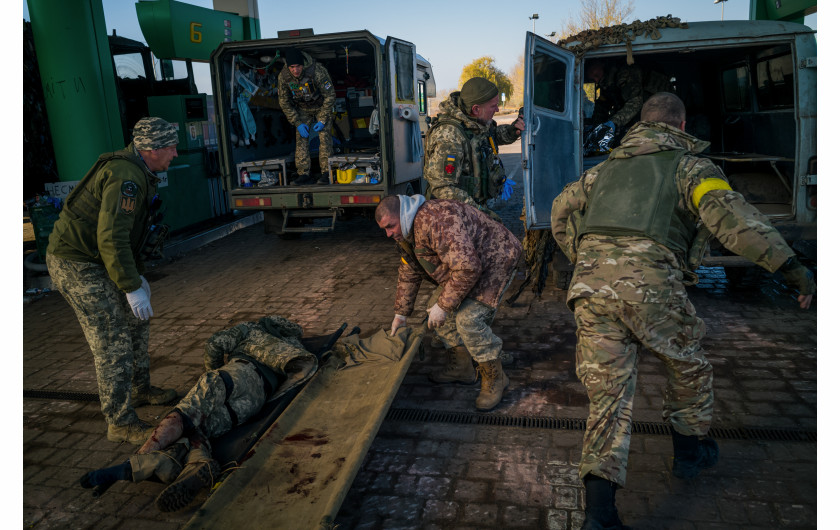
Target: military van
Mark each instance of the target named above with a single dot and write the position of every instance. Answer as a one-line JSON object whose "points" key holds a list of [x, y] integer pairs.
{"points": [[382, 88], [750, 88]]}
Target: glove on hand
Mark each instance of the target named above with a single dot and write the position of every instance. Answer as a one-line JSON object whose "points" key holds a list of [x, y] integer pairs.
{"points": [[797, 275], [507, 189], [145, 286], [140, 304], [436, 316], [398, 322], [303, 130], [318, 126]]}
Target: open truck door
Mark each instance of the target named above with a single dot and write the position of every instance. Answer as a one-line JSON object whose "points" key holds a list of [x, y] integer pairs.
{"points": [[402, 119], [551, 140]]}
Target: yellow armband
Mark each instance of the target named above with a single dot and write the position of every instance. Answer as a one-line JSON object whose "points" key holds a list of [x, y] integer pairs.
{"points": [[705, 187]]}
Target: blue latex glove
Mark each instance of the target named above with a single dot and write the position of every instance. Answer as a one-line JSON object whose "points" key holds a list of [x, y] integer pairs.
{"points": [[610, 124], [303, 130], [507, 189], [318, 126]]}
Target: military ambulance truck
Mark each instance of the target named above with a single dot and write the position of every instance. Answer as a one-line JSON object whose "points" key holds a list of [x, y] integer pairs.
{"points": [[382, 87], [750, 88]]}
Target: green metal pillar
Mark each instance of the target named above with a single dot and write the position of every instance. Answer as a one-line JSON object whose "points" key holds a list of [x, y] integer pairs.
{"points": [[74, 60]]}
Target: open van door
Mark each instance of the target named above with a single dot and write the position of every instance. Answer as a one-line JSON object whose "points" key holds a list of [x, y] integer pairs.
{"points": [[551, 140], [403, 113]]}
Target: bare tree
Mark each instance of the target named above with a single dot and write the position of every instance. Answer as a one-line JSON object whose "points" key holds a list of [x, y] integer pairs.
{"points": [[596, 14]]}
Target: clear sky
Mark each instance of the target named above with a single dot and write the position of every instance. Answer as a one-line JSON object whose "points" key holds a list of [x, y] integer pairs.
{"points": [[450, 34]]}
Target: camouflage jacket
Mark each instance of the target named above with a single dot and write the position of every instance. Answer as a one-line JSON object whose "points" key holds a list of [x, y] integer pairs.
{"points": [[621, 96], [105, 217], [472, 256], [637, 269], [312, 91], [452, 159]]}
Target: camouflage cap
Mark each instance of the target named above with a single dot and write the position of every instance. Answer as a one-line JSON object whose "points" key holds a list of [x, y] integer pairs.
{"points": [[477, 91], [154, 133]]}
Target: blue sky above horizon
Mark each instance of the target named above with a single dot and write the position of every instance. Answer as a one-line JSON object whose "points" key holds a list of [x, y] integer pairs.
{"points": [[449, 34]]}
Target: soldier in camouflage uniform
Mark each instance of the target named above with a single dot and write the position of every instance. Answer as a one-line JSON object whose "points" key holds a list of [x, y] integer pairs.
{"points": [[462, 156], [635, 226], [471, 259], [95, 260], [620, 94], [264, 358], [307, 97]]}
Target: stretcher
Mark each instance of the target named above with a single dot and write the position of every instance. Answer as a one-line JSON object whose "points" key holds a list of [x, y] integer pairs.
{"points": [[300, 468]]}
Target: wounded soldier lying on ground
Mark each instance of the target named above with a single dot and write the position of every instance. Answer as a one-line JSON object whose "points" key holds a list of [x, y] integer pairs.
{"points": [[265, 359]]}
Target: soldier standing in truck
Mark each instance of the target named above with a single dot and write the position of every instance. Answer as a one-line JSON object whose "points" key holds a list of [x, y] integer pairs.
{"points": [[307, 96]]}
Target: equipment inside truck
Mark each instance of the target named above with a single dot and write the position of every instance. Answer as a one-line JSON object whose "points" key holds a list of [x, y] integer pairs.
{"points": [[742, 101], [263, 140]]}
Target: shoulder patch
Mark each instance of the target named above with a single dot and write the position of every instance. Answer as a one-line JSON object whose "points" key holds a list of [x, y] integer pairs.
{"points": [[327, 85], [128, 197], [449, 164]]}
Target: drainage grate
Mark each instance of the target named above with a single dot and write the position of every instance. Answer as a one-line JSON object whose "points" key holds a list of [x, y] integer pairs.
{"points": [[577, 424], [62, 396]]}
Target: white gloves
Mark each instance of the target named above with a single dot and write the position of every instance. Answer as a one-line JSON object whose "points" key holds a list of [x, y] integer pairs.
{"points": [[145, 285], [436, 316], [398, 322], [140, 303]]}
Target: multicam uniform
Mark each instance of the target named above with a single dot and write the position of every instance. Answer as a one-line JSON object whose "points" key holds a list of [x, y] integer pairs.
{"points": [[258, 356], [93, 258], [308, 100], [471, 259], [462, 160], [621, 96], [628, 286]]}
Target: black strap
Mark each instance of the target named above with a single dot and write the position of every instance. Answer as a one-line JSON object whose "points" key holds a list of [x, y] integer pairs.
{"points": [[228, 381]]}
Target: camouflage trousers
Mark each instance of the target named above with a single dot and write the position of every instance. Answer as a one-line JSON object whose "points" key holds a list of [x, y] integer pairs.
{"points": [[469, 326], [325, 150], [609, 333], [204, 404], [118, 340]]}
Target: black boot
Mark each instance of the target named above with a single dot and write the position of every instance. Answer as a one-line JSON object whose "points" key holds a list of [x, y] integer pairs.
{"points": [[601, 513], [691, 454], [323, 178], [303, 180]]}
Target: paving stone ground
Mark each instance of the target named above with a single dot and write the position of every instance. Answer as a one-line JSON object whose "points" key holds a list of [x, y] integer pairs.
{"points": [[442, 474]]}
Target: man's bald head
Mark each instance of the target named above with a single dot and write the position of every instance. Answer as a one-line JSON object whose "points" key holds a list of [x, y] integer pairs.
{"points": [[664, 107]]}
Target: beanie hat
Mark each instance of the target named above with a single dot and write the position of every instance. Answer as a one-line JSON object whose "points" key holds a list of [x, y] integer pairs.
{"points": [[154, 133], [477, 91], [294, 56]]}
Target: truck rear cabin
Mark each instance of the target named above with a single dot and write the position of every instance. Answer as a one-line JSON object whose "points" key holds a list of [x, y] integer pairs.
{"points": [[381, 93], [749, 88]]}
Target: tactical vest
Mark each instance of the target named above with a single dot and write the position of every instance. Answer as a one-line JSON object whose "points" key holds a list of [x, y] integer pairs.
{"points": [[83, 204], [638, 196], [484, 160], [305, 90]]}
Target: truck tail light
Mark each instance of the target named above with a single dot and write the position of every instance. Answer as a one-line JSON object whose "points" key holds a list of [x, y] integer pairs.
{"points": [[360, 199], [252, 202]]}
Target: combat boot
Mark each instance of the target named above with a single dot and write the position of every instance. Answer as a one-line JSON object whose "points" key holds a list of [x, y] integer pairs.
{"points": [[303, 180], [166, 465], [459, 368], [200, 471], [152, 396], [136, 432], [494, 380], [324, 178], [601, 513], [691, 454]]}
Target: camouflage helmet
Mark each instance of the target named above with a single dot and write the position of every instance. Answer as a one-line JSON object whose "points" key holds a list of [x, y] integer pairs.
{"points": [[154, 133]]}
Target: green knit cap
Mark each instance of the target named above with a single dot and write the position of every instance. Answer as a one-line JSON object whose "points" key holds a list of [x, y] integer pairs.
{"points": [[477, 91]]}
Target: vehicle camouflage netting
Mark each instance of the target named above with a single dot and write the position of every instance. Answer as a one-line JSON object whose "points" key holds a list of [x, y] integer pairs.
{"points": [[590, 39]]}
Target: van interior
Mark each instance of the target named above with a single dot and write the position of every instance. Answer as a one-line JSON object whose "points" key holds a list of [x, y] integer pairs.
{"points": [[742, 101], [352, 68]]}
